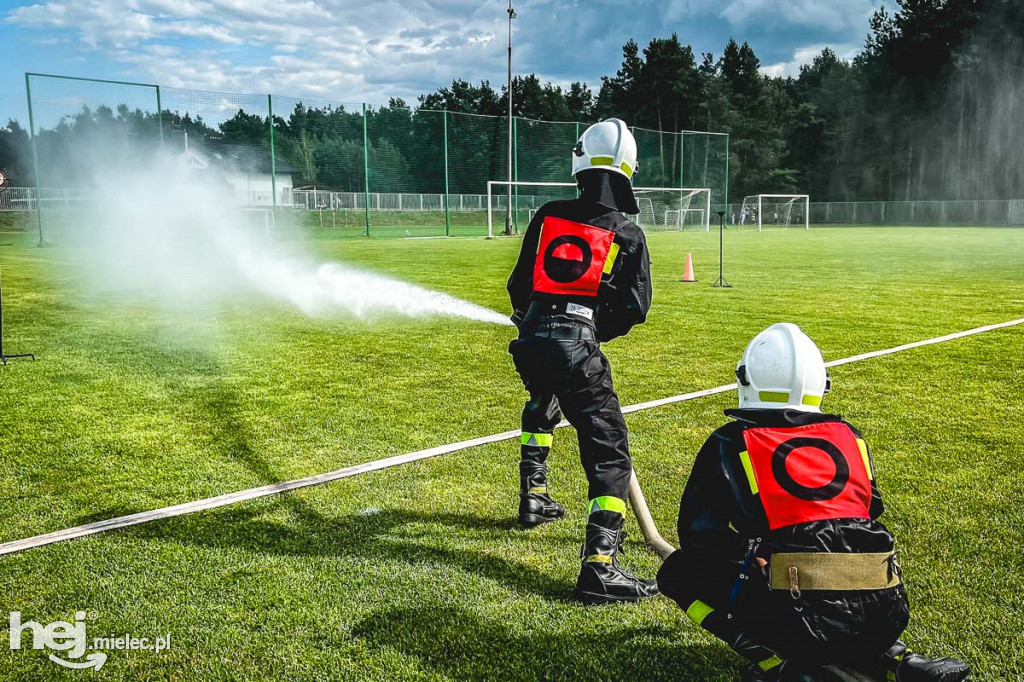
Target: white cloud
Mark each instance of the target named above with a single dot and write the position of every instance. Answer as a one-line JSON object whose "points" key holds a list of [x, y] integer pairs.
{"points": [[370, 50], [830, 15], [805, 55], [342, 48]]}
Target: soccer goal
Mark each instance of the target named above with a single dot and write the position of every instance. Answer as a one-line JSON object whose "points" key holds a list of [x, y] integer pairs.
{"points": [[662, 209], [775, 210], [260, 221]]}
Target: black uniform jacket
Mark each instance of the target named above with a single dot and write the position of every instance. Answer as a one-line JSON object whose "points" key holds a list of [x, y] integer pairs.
{"points": [[623, 297], [724, 527]]}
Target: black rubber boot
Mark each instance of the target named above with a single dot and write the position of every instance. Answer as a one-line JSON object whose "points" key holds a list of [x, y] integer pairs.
{"points": [[601, 581], [535, 505], [910, 667]]}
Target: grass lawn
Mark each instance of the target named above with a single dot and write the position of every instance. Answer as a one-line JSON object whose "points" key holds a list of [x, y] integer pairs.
{"points": [[418, 572]]}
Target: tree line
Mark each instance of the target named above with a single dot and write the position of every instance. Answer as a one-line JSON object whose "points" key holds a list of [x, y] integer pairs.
{"points": [[931, 108]]}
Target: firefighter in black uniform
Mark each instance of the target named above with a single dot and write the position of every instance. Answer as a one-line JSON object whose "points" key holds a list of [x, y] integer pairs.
{"points": [[781, 552], [583, 277]]}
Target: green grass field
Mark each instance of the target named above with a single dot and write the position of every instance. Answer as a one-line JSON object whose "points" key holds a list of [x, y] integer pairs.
{"points": [[418, 572]]}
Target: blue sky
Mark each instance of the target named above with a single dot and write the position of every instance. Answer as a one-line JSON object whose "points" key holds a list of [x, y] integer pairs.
{"points": [[371, 50]]}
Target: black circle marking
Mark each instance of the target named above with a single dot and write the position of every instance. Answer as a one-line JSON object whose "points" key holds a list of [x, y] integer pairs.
{"points": [[561, 269], [821, 493]]}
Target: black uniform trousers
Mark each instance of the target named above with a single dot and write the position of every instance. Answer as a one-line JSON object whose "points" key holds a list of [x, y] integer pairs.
{"points": [[574, 376], [818, 628]]}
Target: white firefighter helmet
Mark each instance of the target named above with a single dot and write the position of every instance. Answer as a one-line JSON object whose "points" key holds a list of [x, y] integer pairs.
{"points": [[607, 145], [782, 369]]}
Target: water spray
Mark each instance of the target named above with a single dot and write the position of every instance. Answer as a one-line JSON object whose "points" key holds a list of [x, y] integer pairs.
{"points": [[176, 236]]}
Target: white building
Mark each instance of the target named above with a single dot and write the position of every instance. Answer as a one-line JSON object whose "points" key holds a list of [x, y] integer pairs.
{"points": [[246, 170]]}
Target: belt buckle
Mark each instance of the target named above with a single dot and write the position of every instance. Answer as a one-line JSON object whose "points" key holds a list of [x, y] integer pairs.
{"points": [[894, 566], [794, 582]]}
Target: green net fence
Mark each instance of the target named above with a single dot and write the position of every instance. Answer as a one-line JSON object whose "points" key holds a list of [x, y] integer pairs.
{"points": [[687, 159], [80, 126], [327, 167]]}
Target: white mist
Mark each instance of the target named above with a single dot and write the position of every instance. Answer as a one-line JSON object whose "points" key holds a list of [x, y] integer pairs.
{"points": [[165, 230]]}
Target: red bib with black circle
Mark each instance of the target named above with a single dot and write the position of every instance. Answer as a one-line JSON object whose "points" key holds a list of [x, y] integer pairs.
{"points": [[808, 473], [570, 257]]}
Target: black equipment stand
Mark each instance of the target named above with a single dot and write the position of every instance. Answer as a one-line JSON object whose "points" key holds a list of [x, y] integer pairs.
{"points": [[720, 282], [3, 357]]}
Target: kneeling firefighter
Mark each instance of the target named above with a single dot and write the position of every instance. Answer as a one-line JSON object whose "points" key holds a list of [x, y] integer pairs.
{"points": [[781, 552], [583, 277]]}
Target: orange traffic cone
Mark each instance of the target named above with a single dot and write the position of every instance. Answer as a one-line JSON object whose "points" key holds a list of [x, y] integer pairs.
{"points": [[688, 272]]}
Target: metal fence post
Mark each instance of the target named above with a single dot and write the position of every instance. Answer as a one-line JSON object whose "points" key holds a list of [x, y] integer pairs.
{"points": [[366, 170], [682, 159], [727, 169], [515, 165], [35, 160], [577, 139], [273, 160], [447, 199], [159, 116]]}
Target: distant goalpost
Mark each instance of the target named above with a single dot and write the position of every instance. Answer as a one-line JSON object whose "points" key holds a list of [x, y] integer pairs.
{"points": [[779, 210], [662, 209], [260, 219]]}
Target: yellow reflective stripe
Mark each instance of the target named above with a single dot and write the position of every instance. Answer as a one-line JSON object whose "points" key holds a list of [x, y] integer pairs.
{"points": [[613, 252], [773, 397], [607, 503], [541, 440], [626, 169], [601, 160], [749, 468], [769, 663], [539, 489], [698, 611], [598, 558], [864, 456], [812, 400]]}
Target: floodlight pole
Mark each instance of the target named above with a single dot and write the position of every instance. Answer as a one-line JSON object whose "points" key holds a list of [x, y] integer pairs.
{"points": [[4, 358], [508, 196], [720, 282]]}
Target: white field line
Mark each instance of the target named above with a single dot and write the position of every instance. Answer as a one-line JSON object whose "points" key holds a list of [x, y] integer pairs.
{"points": [[388, 462]]}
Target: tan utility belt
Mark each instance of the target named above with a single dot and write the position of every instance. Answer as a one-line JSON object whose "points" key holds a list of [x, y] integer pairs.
{"points": [[798, 571]]}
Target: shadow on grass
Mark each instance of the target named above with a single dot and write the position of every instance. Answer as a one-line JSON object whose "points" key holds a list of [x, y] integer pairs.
{"points": [[460, 644], [208, 398], [390, 536], [204, 396]]}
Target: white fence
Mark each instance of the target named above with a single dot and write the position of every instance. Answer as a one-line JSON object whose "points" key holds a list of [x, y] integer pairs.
{"points": [[24, 198], [1005, 212], [323, 200], [1008, 212], [919, 213]]}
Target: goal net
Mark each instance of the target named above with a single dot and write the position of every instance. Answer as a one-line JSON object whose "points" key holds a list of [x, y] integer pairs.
{"points": [[775, 210], [662, 209]]}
